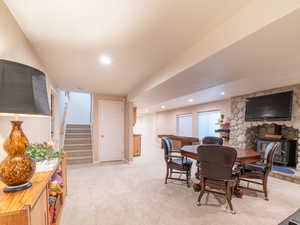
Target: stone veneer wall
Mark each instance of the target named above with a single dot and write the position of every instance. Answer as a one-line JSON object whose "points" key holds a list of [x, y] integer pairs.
{"points": [[238, 125]]}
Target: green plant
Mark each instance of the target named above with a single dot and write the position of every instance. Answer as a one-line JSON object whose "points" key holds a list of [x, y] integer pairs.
{"points": [[43, 151]]}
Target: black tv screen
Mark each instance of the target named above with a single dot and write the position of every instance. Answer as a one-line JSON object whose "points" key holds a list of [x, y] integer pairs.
{"points": [[272, 107]]}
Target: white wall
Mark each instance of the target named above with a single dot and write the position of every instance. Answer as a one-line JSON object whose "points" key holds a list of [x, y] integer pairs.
{"points": [[61, 101], [166, 120], [151, 125], [145, 125], [34, 131], [57, 119], [79, 111], [15, 47]]}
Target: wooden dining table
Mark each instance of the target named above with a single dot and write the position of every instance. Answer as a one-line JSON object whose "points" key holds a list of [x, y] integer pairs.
{"points": [[244, 156]]}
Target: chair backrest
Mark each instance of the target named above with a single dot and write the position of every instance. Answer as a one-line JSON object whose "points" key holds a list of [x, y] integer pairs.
{"points": [[270, 152], [216, 161], [212, 140], [168, 146]]}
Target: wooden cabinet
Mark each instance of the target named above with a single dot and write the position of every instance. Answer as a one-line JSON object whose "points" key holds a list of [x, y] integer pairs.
{"points": [[39, 212], [30, 206], [137, 145]]}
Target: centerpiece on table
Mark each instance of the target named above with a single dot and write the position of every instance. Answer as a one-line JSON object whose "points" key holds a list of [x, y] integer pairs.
{"points": [[45, 155]]}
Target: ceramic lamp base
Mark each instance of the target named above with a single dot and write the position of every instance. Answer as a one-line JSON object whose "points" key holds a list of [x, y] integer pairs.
{"points": [[10, 189]]}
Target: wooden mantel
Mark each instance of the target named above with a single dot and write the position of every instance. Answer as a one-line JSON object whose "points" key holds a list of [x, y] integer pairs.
{"points": [[30, 207]]}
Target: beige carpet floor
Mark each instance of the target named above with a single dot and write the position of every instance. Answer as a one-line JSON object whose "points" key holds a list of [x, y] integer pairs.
{"points": [[135, 194]]}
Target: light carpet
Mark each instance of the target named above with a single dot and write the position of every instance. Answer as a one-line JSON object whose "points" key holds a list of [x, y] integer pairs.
{"points": [[135, 194]]}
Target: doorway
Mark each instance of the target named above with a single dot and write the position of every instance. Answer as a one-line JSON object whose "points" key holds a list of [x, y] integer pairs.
{"points": [[111, 130]]}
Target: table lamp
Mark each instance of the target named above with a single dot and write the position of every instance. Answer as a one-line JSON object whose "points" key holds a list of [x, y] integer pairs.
{"points": [[23, 91]]}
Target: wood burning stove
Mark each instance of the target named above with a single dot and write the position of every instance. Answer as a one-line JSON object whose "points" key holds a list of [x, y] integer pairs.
{"points": [[286, 155]]}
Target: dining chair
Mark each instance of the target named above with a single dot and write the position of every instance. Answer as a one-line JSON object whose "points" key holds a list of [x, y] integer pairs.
{"points": [[212, 140], [250, 173], [176, 164], [216, 172], [208, 140]]}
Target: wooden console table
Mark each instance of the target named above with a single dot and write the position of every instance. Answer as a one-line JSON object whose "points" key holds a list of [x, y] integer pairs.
{"points": [[31, 206]]}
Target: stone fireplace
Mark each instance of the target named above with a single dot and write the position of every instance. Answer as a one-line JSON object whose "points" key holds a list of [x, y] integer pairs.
{"points": [[257, 138], [260, 131], [243, 134]]}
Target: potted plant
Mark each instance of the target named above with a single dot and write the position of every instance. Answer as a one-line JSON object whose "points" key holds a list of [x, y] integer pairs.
{"points": [[44, 154]]}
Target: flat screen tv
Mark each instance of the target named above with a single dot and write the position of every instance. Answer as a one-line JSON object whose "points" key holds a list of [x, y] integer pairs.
{"points": [[272, 107]]}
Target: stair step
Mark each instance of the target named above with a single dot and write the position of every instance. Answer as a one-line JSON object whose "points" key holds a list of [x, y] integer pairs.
{"points": [[78, 146], [78, 138], [78, 128], [78, 153], [85, 126], [72, 131], [78, 141], [77, 135], [79, 160]]}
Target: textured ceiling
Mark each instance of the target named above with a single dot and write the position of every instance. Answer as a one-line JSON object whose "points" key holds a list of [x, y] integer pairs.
{"points": [[266, 59], [141, 36]]}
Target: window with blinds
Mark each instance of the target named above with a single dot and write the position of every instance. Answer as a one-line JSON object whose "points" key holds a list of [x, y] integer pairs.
{"points": [[207, 123], [185, 125]]}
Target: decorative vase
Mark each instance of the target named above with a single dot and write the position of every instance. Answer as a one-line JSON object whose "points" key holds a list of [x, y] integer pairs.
{"points": [[17, 168]]}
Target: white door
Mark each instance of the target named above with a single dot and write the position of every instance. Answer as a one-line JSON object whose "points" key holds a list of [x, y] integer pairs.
{"points": [[111, 114]]}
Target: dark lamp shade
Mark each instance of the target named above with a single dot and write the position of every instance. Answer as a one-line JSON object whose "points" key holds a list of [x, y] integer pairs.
{"points": [[23, 89]]}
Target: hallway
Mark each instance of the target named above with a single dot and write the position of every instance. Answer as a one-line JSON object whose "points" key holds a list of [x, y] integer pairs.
{"points": [[135, 194]]}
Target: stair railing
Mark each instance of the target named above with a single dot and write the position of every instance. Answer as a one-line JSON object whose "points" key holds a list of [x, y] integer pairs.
{"points": [[64, 119]]}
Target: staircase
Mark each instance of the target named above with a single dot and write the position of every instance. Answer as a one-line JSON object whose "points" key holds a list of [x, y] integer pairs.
{"points": [[78, 144]]}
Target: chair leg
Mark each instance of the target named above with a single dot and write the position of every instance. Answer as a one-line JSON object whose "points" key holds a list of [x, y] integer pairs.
{"points": [[188, 178], [265, 188], [207, 198], [202, 191], [167, 176], [198, 170], [228, 196]]}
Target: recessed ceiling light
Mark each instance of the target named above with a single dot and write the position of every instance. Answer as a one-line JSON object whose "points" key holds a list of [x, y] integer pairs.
{"points": [[163, 107], [222, 93], [191, 100], [105, 60]]}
